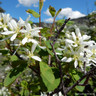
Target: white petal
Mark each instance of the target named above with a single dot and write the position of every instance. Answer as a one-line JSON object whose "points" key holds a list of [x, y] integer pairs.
{"points": [[78, 32], [85, 37], [69, 41], [5, 29], [75, 63], [64, 59], [13, 37], [23, 31], [33, 47], [94, 61], [42, 47], [74, 36], [28, 27], [60, 49], [7, 32], [10, 26], [28, 19], [58, 53], [21, 22], [24, 40], [14, 23], [33, 41], [36, 58], [69, 59]]}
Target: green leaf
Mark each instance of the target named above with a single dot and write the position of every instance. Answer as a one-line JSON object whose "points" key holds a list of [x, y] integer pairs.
{"points": [[48, 77], [4, 52], [52, 11], [80, 88], [30, 22], [40, 4], [14, 58], [35, 14], [26, 92], [15, 63], [58, 12], [76, 77], [15, 73], [24, 84], [47, 44], [50, 52], [43, 52]]}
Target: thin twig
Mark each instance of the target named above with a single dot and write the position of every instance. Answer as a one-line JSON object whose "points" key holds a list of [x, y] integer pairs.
{"points": [[78, 81], [52, 25], [59, 31], [86, 81], [57, 59], [60, 70]]}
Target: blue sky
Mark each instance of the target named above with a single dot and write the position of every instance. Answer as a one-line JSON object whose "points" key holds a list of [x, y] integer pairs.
{"points": [[70, 8]]}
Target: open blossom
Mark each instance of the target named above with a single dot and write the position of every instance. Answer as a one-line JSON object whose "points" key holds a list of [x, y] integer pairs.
{"points": [[15, 29], [21, 27], [76, 39], [80, 49], [30, 54], [4, 20], [30, 33]]}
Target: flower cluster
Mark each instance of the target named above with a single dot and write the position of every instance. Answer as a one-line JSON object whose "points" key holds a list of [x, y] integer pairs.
{"points": [[21, 31], [79, 48], [4, 92]]}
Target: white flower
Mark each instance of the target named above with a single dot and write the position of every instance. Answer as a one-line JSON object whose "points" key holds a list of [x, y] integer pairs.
{"points": [[79, 49], [4, 20], [13, 25], [30, 33], [21, 22], [31, 53], [76, 39]]}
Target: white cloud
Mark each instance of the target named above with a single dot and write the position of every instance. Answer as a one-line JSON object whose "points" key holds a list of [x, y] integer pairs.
{"points": [[49, 20], [47, 12], [67, 12], [28, 3]]}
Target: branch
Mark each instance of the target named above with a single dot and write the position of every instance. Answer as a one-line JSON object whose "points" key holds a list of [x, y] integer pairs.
{"points": [[86, 81], [60, 69], [58, 32], [57, 59], [52, 25], [78, 81]]}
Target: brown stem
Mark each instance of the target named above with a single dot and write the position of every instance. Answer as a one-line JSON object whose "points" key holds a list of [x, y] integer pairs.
{"points": [[52, 25], [59, 31], [60, 70], [78, 81], [86, 81]]}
